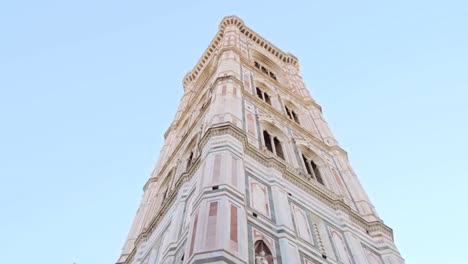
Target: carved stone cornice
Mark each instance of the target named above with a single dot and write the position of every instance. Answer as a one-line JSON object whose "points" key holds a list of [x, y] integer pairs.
{"points": [[319, 192], [286, 58]]}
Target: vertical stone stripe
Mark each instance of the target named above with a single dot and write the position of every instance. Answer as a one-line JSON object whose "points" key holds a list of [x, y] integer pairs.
{"points": [[224, 90], [234, 91], [211, 225], [217, 169], [234, 171], [194, 233], [202, 176], [250, 125], [233, 235], [247, 81], [339, 182]]}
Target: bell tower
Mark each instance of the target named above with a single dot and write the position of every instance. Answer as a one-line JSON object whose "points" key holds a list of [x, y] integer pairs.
{"points": [[250, 171]]}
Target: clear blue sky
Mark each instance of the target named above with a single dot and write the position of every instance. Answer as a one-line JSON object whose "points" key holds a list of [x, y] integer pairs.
{"points": [[88, 88]]}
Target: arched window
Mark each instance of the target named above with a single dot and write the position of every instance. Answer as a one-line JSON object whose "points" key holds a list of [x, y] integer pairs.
{"points": [[190, 153], [291, 114], [263, 95], [265, 70], [190, 160], [165, 187], [273, 144], [262, 253], [312, 169]]}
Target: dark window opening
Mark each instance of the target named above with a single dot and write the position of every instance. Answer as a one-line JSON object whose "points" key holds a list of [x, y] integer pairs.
{"points": [[317, 175], [265, 70], [267, 98], [262, 95], [306, 163], [267, 139], [288, 112], [190, 160], [259, 93], [278, 148], [294, 116], [215, 187], [312, 169]]}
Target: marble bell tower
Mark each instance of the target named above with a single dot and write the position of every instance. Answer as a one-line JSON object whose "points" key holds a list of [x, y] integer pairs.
{"points": [[250, 171]]}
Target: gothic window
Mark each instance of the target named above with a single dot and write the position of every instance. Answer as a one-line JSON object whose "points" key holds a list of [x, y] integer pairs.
{"points": [[165, 185], [165, 191], [312, 169], [316, 171], [278, 148], [291, 114], [265, 70], [307, 165], [263, 95], [259, 93], [272, 75], [267, 98], [295, 117], [262, 253], [190, 160], [267, 139], [273, 144]]}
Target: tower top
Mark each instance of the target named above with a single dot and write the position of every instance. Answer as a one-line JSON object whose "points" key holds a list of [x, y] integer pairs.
{"points": [[285, 57]]}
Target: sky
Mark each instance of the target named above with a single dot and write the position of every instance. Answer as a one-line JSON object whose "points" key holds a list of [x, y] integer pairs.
{"points": [[88, 88]]}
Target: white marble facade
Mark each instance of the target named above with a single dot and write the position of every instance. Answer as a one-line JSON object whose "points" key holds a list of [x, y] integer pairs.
{"points": [[251, 173]]}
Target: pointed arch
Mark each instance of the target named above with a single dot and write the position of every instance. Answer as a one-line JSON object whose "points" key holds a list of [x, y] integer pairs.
{"points": [[266, 65], [293, 111], [264, 92], [191, 152], [166, 184], [302, 224], [340, 246], [314, 165], [274, 139], [263, 253]]}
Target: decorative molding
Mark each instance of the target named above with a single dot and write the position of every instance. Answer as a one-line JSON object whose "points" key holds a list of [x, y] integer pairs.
{"points": [[289, 123], [286, 58], [290, 174]]}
